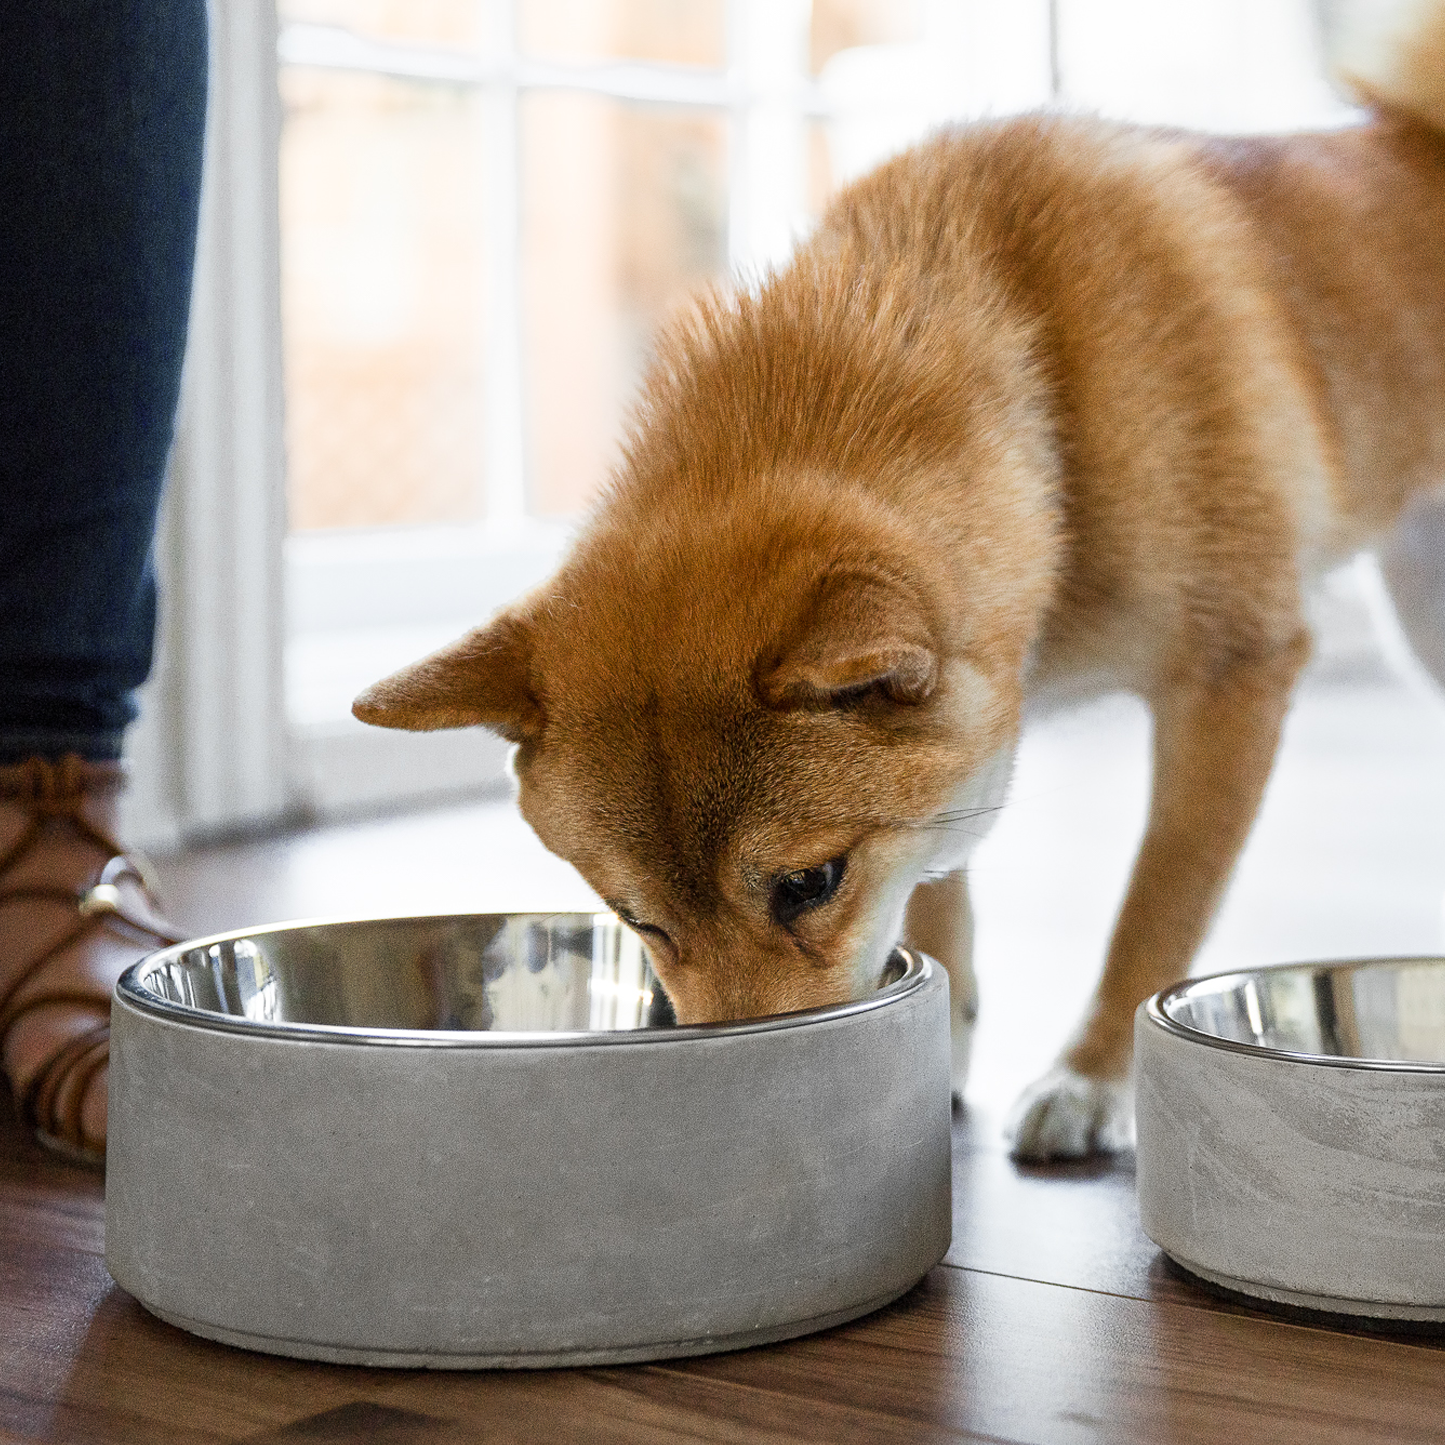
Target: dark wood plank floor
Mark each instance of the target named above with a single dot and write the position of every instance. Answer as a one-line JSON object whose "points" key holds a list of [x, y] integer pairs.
{"points": [[1053, 1319]]}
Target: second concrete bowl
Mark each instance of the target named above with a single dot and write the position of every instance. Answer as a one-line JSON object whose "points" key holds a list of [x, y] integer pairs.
{"points": [[1292, 1134]]}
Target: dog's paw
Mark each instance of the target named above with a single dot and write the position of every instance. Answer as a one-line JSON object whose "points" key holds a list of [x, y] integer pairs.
{"points": [[1066, 1115]]}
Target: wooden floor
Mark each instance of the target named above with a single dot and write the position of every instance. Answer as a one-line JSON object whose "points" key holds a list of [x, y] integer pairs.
{"points": [[1053, 1317]]}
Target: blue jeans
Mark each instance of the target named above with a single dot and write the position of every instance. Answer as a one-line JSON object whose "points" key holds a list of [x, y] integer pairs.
{"points": [[102, 113]]}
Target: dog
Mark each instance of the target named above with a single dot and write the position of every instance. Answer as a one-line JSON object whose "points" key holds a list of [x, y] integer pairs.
{"points": [[1046, 407]]}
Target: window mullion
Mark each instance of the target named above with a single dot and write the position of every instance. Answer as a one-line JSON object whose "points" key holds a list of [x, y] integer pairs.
{"points": [[768, 70]]}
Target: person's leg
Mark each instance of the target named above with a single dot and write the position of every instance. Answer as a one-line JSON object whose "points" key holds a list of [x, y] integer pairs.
{"points": [[103, 106], [100, 161]]}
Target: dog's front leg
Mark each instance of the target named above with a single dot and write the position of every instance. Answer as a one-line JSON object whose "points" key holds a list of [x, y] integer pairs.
{"points": [[1214, 744], [939, 922]]}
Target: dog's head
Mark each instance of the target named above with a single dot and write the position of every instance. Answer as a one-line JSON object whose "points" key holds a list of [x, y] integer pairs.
{"points": [[762, 698], [752, 747]]}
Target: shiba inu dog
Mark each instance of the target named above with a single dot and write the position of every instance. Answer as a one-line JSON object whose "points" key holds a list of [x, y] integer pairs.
{"points": [[1045, 408]]}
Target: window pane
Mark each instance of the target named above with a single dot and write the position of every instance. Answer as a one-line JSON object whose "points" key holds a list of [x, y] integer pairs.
{"points": [[381, 269], [845, 24], [688, 32], [624, 213], [1221, 65], [419, 22]]}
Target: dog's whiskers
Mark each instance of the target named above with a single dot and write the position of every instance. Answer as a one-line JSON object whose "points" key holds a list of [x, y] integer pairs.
{"points": [[953, 821]]}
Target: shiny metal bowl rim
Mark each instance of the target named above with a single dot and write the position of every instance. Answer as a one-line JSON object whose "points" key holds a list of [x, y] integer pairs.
{"points": [[918, 968], [1155, 1012]]}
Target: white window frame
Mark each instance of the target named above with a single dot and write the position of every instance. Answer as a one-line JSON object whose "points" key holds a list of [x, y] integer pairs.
{"points": [[215, 750], [455, 576], [427, 583]]}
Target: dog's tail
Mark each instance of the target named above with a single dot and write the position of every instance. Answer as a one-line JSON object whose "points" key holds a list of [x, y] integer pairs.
{"points": [[1390, 53]]}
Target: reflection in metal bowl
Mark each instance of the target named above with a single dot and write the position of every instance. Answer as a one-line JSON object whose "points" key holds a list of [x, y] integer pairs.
{"points": [[1388, 1010], [502, 973]]}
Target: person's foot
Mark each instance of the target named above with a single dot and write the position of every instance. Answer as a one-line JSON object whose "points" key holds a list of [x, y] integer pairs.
{"points": [[75, 912]]}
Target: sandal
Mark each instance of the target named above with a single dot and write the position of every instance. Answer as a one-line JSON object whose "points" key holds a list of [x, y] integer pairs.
{"points": [[75, 912]]}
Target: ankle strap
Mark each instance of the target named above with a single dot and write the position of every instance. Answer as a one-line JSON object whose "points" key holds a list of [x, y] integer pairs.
{"points": [[58, 789], [54, 785]]}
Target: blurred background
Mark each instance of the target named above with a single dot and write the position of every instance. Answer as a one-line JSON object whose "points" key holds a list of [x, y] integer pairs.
{"points": [[593, 160], [437, 238]]}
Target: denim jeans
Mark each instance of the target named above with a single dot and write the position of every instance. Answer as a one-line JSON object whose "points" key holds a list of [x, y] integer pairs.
{"points": [[102, 113]]}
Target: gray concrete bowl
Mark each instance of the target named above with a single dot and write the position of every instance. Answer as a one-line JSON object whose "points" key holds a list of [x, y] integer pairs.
{"points": [[1292, 1134], [458, 1142]]}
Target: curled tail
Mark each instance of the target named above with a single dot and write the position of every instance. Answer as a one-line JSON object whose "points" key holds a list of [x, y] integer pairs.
{"points": [[1391, 53]]}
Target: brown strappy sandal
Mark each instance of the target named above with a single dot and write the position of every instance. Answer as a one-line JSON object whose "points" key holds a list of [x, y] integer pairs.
{"points": [[93, 913]]}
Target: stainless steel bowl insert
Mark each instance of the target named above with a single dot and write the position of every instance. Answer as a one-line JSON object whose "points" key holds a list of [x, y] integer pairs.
{"points": [[1292, 1133], [457, 1142]]}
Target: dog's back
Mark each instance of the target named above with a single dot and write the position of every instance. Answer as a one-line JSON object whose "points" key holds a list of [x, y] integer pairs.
{"points": [[1351, 225]]}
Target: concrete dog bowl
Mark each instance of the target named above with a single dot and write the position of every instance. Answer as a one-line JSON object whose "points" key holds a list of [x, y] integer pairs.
{"points": [[1292, 1134], [455, 1143]]}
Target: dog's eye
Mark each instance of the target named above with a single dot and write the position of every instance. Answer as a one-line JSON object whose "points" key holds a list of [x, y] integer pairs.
{"points": [[637, 925], [797, 892]]}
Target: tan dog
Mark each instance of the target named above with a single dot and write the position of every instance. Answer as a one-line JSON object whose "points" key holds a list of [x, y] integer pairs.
{"points": [[1045, 408]]}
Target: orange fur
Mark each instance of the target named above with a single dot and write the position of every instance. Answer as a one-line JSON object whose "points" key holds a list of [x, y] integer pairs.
{"points": [[1046, 407]]}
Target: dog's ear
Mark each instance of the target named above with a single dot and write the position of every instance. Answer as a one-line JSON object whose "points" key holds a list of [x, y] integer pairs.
{"points": [[859, 634], [480, 680]]}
